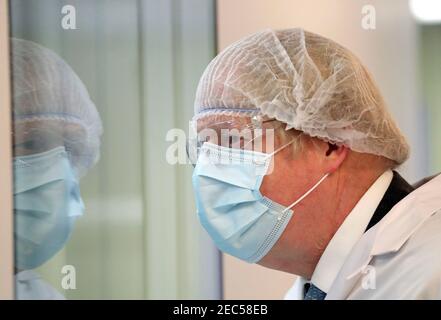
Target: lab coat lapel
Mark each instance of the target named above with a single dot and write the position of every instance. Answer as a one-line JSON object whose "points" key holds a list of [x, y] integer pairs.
{"points": [[353, 267], [297, 291]]}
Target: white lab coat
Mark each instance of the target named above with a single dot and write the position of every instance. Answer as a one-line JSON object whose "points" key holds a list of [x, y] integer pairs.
{"points": [[398, 258]]}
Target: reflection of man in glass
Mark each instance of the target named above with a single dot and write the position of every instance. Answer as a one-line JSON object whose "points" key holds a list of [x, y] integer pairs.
{"points": [[56, 139]]}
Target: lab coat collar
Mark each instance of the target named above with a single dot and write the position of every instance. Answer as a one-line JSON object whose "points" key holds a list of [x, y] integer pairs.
{"points": [[349, 233], [392, 232]]}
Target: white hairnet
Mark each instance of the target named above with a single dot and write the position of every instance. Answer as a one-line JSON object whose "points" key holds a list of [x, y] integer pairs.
{"points": [[45, 88], [306, 81]]}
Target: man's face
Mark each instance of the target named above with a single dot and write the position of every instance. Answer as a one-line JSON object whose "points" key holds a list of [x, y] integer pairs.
{"points": [[295, 169], [294, 173]]}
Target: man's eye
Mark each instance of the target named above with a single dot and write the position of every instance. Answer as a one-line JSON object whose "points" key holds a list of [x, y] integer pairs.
{"points": [[35, 145], [28, 144]]}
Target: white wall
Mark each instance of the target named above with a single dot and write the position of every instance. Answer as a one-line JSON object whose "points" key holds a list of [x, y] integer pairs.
{"points": [[389, 52]]}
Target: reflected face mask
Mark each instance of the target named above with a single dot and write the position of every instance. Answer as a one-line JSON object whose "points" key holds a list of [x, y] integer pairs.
{"points": [[46, 203], [240, 220]]}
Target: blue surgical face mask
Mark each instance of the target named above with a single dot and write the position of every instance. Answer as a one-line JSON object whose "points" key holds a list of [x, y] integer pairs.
{"points": [[46, 203], [240, 220]]}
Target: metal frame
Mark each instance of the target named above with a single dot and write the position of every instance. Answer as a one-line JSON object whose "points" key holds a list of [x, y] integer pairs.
{"points": [[6, 217]]}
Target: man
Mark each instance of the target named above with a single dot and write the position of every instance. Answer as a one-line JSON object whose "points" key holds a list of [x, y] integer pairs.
{"points": [[323, 201]]}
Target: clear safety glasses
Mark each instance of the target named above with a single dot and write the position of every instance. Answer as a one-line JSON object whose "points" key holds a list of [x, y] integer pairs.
{"points": [[235, 132]]}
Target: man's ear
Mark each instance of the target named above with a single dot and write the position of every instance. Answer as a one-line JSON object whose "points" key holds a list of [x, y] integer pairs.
{"points": [[335, 155]]}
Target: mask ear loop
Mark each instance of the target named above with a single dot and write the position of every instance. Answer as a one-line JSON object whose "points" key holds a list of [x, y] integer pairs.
{"points": [[305, 195], [280, 148], [269, 155]]}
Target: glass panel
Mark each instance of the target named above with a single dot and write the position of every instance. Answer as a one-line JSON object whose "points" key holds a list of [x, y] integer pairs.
{"points": [[430, 46], [99, 213]]}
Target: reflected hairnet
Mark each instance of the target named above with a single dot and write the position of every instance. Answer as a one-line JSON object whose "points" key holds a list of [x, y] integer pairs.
{"points": [[47, 91], [306, 81]]}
